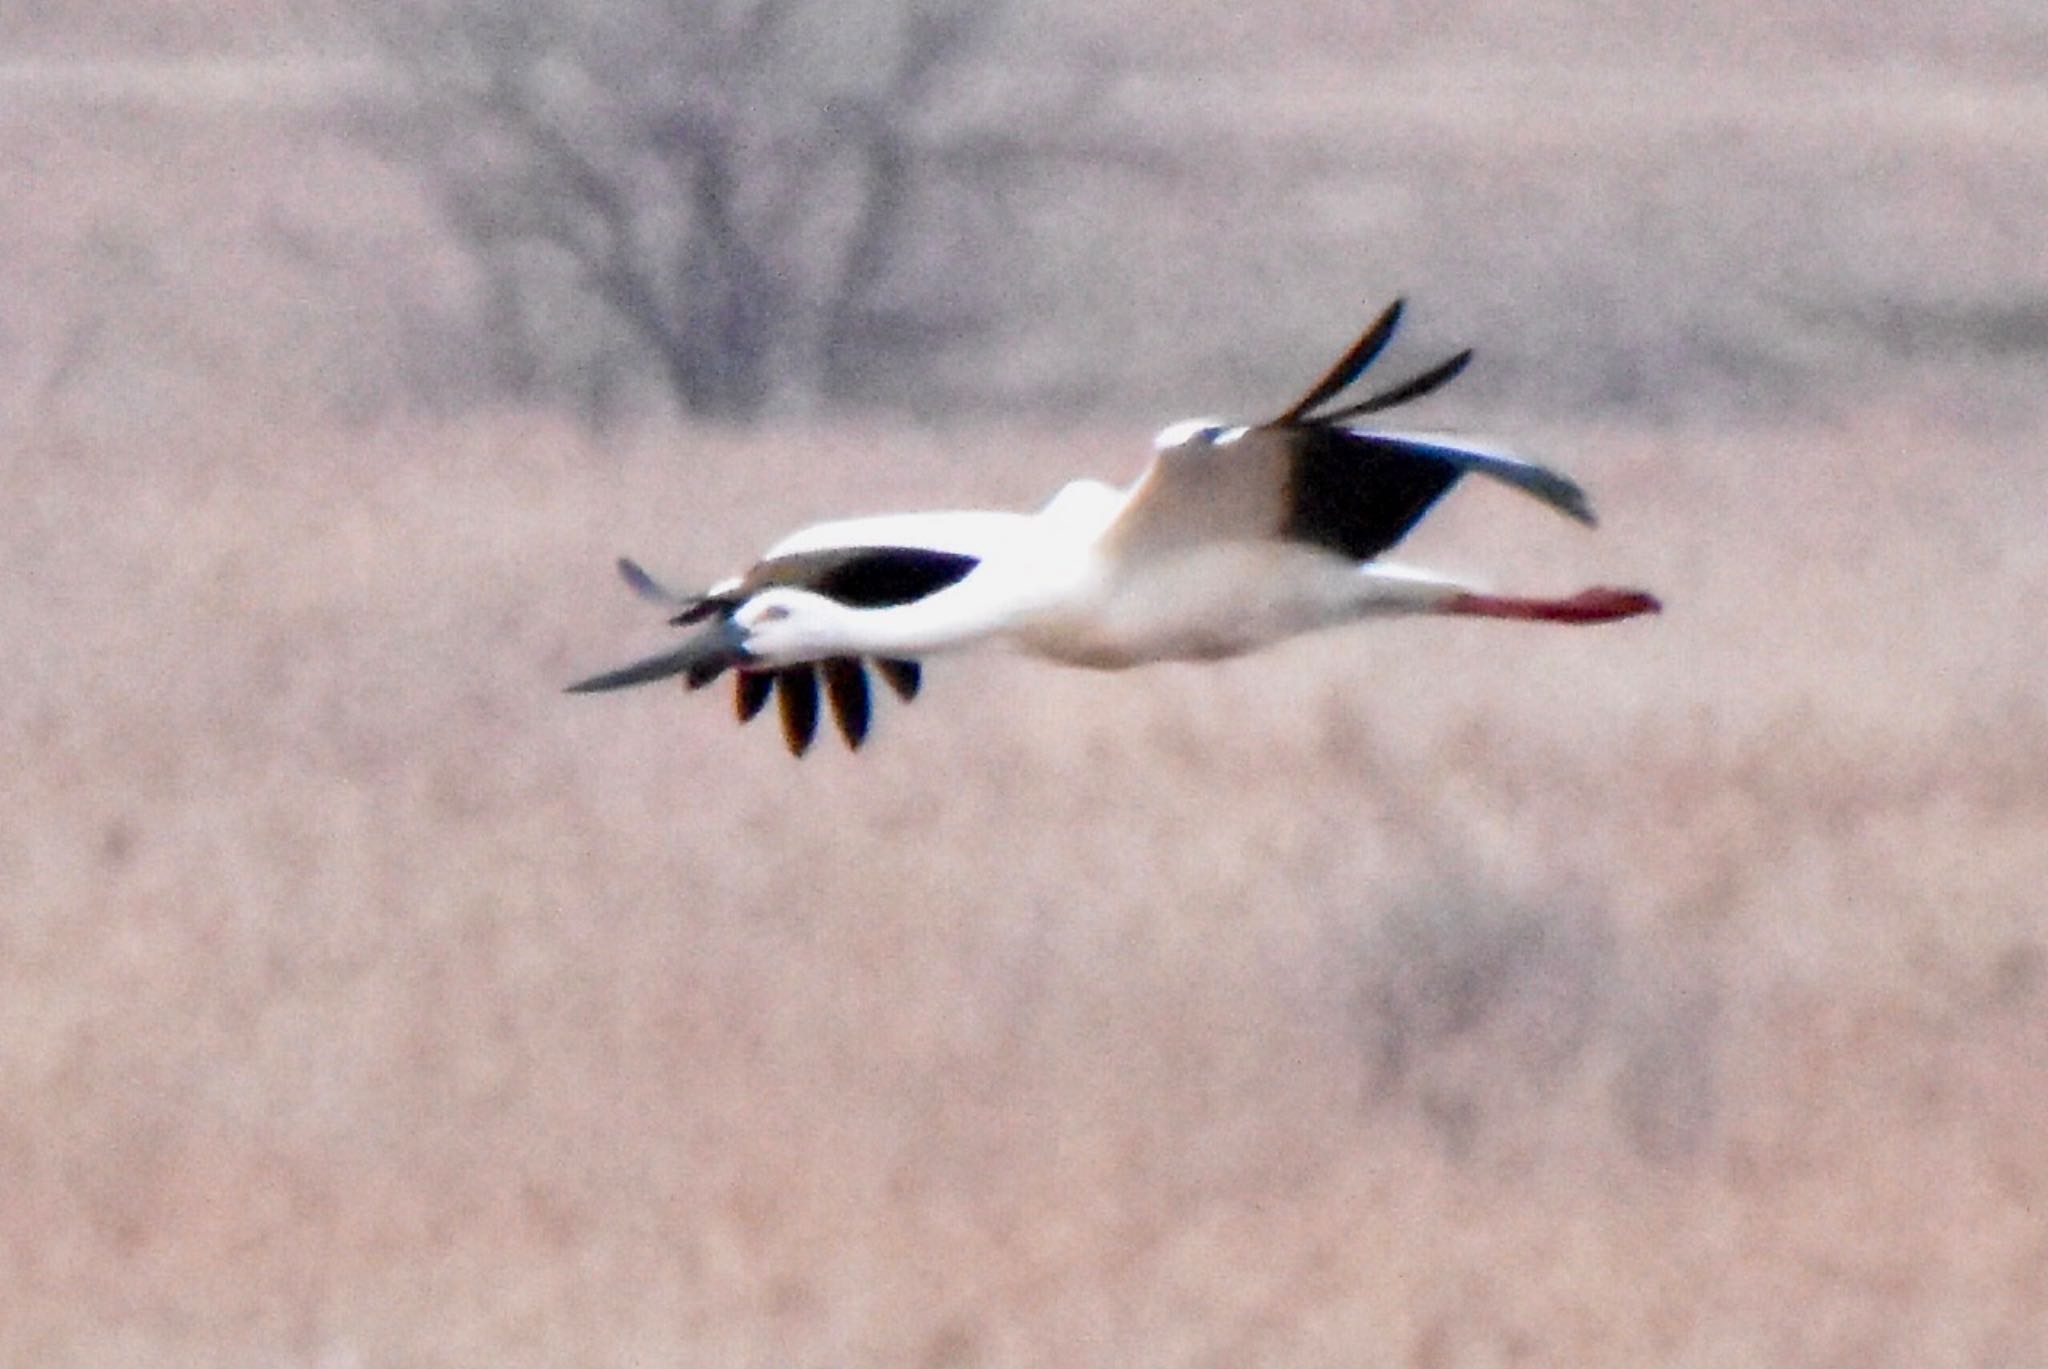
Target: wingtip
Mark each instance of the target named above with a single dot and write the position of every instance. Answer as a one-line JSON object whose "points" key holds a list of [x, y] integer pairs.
{"points": [[700, 660], [1567, 496], [1413, 388], [1356, 359], [614, 679], [1562, 493], [695, 607], [638, 580]]}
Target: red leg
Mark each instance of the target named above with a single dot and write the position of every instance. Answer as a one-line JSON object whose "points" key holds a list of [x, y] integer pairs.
{"points": [[1601, 605]]}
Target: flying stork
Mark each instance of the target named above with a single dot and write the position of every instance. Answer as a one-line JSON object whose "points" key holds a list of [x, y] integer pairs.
{"points": [[1233, 537]]}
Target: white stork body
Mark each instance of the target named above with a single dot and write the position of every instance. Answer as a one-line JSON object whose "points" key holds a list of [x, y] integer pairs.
{"points": [[1234, 537]]}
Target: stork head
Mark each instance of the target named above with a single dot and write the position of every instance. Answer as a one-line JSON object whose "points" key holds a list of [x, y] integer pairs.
{"points": [[784, 626]]}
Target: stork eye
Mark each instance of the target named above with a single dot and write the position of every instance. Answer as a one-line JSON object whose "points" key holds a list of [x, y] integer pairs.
{"points": [[774, 613]]}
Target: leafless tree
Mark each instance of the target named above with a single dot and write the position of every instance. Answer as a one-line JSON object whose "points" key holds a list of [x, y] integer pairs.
{"points": [[746, 197]]}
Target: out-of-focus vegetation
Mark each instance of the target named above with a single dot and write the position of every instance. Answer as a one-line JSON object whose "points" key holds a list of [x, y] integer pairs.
{"points": [[1440, 995], [744, 202], [1701, 217]]}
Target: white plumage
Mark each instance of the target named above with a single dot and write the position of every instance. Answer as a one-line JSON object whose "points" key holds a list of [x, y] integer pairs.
{"points": [[1233, 537]]}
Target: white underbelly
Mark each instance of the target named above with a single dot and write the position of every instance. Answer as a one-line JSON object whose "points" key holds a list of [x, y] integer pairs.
{"points": [[1216, 601]]}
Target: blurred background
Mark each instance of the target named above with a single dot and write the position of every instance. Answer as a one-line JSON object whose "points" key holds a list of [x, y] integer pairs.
{"points": [[1437, 995]]}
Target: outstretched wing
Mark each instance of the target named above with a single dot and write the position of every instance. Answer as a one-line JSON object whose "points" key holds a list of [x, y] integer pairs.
{"points": [[1309, 477], [858, 576], [1354, 492]]}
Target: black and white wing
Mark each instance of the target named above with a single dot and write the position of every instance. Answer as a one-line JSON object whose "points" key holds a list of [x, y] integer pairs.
{"points": [[1311, 477], [860, 576]]}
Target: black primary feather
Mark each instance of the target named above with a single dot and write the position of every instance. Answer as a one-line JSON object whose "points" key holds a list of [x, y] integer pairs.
{"points": [[695, 607], [751, 689], [797, 688], [705, 606], [647, 587], [1349, 366], [1415, 387], [846, 685], [905, 677]]}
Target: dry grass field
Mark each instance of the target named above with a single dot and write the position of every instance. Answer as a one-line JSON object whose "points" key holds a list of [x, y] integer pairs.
{"points": [[1443, 995], [1438, 995]]}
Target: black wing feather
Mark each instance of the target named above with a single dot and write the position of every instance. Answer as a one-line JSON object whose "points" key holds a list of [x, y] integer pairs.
{"points": [[751, 689], [797, 688], [1415, 387], [1358, 496], [1359, 493], [647, 587], [895, 575], [865, 577], [846, 685], [695, 607], [1349, 366], [905, 677]]}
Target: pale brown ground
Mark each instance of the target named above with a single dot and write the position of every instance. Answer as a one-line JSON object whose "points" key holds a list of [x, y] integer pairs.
{"points": [[1435, 995]]}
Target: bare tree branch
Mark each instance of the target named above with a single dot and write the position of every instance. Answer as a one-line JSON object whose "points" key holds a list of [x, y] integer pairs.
{"points": [[765, 197]]}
